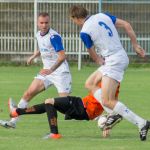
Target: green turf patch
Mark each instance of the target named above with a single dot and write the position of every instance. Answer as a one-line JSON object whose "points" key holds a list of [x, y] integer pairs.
{"points": [[77, 135]]}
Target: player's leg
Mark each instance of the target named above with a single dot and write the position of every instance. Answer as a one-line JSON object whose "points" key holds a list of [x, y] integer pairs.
{"points": [[112, 92], [129, 115], [70, 105], [109, 87], [52, 105], [63, 84], [93, 80], [36, 87], [51, 115], [92, 85], [16, 112], [39, 84], [35, 109], [64, 90], [112, 72], [108, 98]]}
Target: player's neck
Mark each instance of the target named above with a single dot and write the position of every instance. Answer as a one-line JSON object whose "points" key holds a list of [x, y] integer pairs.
{"points": [[44, 33]]}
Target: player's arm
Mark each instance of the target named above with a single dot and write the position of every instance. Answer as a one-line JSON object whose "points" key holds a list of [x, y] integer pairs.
{"points": [[35, 55], [91, 49], [129, 30], [98, 59], [56, 41], [61, 58]]}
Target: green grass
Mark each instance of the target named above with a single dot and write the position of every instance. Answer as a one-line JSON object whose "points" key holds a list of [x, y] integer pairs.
{"points": [[77, 135]]}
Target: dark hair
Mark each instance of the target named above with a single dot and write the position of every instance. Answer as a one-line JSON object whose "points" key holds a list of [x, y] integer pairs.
{"points": [[43, 14], [77, 11]]}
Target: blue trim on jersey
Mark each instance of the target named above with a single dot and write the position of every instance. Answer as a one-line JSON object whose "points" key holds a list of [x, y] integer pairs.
{"points": [[86, 40], [113, 18], [56, 42]]}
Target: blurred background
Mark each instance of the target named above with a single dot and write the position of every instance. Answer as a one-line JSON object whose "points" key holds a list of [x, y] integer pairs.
{"points": [[18, 25]]}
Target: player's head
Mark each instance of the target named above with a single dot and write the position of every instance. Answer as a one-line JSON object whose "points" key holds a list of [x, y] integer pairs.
{"points": [[78, 14], [43, 22]]}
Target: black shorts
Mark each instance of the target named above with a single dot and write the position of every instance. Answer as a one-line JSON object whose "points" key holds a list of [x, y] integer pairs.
{"points": [[72, 107]]}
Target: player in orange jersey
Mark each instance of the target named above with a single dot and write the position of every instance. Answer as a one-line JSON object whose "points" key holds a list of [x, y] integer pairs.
{"points": [[86, 108], [73, 107]]}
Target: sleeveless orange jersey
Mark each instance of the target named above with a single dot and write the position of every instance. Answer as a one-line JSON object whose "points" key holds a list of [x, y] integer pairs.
{"points": [[93, 107]]}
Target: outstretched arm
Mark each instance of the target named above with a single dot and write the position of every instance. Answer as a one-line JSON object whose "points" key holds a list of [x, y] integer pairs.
{"points": [[129, 30]]}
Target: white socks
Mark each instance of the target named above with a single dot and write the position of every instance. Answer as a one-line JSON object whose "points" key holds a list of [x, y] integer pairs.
{"points": [[126, 113], [22, 104], [122, 110]]}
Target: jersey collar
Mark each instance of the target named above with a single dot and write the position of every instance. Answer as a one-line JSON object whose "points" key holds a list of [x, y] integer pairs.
{"points": [[45, 33], [87, 18]]}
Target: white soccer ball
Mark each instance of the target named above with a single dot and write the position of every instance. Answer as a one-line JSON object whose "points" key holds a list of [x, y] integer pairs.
{"points": [[101, 121]]}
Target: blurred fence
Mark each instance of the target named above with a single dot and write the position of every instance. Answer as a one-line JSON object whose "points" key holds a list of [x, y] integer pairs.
{"points": [[18, 23], [137, 12]]}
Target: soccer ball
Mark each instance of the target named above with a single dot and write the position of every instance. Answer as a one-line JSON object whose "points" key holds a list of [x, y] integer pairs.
{"points": [[101, 121]]}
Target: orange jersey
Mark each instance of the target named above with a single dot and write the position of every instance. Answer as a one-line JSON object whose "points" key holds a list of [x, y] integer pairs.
{"points": [[93, 107]]}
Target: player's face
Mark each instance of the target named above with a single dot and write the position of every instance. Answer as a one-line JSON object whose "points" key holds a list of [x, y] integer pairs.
{"points": [[43, 24]]}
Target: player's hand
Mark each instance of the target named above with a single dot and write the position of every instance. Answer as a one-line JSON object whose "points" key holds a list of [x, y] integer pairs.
{"points": [[45, 72], [139, 50], [29, 60], [106, 133], [102, 61]]}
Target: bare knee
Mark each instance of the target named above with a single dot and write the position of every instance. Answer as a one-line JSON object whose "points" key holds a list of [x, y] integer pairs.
{"points": [[88, 85], [49, 101]]}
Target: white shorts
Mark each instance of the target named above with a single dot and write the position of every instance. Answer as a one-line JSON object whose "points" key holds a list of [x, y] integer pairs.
{"points": [[61, 81], [115, 65]]}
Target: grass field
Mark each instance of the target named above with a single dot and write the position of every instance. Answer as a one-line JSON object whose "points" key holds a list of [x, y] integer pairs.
{"points": [[77, 135]]}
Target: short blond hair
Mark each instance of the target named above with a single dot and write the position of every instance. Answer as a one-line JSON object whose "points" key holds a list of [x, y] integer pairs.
{"points": [[43, 14]]}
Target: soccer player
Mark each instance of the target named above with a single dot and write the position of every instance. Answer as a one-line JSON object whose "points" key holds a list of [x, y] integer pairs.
{"points": [[99, 32], [55, 67], [86, 108]]}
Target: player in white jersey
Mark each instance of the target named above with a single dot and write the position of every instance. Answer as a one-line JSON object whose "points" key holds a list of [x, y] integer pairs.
{"points": [[55, 67], [100, 36]]}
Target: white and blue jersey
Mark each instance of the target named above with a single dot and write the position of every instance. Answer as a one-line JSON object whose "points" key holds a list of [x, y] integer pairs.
{"points": [[49, 46], [99, 30]]}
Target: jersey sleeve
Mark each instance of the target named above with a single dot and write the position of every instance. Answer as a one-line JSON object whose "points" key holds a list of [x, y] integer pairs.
{"points": [[56, 42], [86, 40], [113, 18]]}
